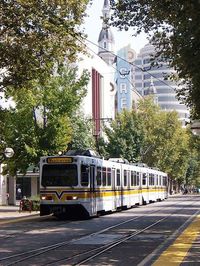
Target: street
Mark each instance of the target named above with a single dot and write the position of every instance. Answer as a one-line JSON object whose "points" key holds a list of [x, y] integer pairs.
{"points": [[137, 236]]}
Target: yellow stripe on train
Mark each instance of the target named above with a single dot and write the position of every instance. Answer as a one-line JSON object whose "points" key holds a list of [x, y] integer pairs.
{"points": [[97, 194]]}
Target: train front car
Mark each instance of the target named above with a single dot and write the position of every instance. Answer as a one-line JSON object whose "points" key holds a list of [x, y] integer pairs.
{"points": [[60, 190]]}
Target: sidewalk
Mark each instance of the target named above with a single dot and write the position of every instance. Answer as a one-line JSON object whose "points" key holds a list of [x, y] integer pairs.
{"points": [[9, 212]]}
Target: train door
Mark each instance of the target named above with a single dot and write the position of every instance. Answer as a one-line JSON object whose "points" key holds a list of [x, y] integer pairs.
{"points": [[93, 190]]}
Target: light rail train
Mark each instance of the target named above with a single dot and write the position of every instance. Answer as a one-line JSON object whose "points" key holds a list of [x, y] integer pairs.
{"points": [[84, 184]]}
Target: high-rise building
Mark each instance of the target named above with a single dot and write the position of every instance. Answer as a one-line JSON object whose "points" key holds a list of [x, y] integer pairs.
{"points": [[148, 77]]}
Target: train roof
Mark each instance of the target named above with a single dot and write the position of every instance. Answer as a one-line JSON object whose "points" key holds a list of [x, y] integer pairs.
{"points": [[88, 152], [94, 155]]}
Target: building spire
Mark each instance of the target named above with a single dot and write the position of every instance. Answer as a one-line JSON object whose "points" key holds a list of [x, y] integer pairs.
{"points": [[106, 14], [106, 39], [151, 90]]}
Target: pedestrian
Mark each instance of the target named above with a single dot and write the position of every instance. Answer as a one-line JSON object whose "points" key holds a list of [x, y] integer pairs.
{"points": [[19, 193]]}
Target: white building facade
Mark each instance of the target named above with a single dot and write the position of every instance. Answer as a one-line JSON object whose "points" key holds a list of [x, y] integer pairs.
{"points": [[99, 103]]}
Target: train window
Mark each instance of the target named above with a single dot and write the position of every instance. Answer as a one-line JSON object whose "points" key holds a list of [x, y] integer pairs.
{"points": [[164, 181], [59, 175], [118, 178], [128, 178], [104, 175], [125, 177], [99, 182], [84, 175], [144, 179], [151, 180], [137, 179], [156, 180], [160, 181], [133, 178], [108, 176]]}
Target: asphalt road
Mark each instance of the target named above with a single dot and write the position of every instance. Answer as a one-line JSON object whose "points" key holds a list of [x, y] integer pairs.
{"points": [[161, 233]]}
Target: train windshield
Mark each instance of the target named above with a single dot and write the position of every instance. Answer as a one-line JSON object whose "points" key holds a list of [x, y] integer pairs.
{"points": [[59, 175]]}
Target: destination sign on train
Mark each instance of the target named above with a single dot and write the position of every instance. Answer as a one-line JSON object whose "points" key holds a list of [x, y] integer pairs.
{"points": [[60, 160]]}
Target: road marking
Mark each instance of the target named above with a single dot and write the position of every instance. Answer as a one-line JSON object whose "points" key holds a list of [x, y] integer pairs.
{"points": [[175, 253]]}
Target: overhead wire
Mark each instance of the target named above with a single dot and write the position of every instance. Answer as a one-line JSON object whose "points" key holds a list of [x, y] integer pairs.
{"points": [[131, 63], [132, 85]]}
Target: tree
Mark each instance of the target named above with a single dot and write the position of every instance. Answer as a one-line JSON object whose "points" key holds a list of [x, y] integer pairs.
{"points": [[125, 137], [167, 144], [173, 27], [82, 137], [40, 124], [3, 121], [36, 34], [193, 171]]}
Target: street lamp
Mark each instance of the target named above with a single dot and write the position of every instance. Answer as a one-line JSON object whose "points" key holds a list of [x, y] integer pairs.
{"points": [[7, 153]]}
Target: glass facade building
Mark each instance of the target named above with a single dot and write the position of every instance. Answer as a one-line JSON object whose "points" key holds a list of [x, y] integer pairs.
{"points": [[145, 75]]}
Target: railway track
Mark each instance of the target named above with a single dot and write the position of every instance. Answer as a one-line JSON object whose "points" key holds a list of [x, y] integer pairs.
{"points": [[86, 255], [20, 227]]}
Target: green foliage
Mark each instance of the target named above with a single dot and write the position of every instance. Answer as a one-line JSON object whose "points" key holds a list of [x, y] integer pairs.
{"points": [[125, 137], [166, 142], [82, 135], [193, 172], [157, 138], [173, 27], [35, 35], [40, 124], [3, 119]]}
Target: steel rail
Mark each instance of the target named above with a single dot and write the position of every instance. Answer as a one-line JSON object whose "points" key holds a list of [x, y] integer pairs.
{"points": [[43, 250]]}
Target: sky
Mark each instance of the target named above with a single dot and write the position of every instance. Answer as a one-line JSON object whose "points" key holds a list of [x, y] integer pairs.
{"points": [[93, 25]]}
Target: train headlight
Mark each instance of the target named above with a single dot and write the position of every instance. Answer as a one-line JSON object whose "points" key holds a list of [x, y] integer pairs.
{"points": [[43, 197], [71, 198]]}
